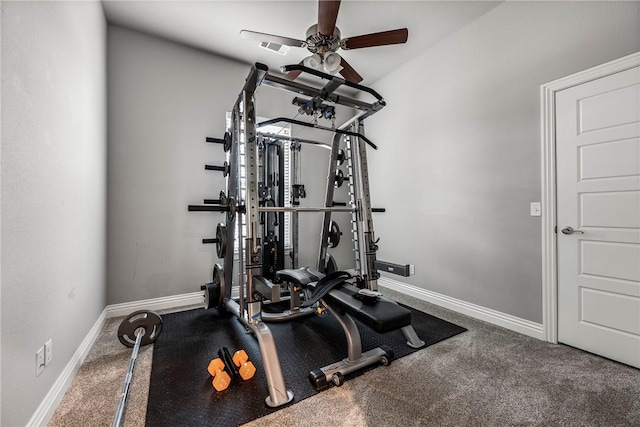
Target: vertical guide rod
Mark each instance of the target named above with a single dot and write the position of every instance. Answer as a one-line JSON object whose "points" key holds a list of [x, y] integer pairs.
{"points": [[328, 203], [127, 380]]}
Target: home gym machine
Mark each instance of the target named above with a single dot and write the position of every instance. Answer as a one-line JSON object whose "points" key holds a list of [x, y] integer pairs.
{"points": [[344, 294]]}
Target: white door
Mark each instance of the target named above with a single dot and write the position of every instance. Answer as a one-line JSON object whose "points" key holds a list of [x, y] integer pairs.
{"points": [[598, 192]]}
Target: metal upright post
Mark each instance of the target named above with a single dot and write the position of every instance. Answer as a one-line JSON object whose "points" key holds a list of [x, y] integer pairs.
{"points": [[278, 393], [366, 238], [328, 202], [233, 193], [353, 200], [295, 180], [253, 255]]}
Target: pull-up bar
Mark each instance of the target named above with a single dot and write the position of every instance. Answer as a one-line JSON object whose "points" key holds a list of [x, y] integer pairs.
{"points": [[315, 126]]}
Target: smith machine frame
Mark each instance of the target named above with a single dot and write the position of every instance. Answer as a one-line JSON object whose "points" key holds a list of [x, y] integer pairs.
{"points": [[246, 210]]}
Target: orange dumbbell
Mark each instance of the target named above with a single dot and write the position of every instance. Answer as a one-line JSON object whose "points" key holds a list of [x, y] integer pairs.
{"points": [[221, 379], [246, 369]]}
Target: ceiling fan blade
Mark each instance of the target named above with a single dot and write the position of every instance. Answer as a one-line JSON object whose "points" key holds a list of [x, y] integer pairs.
{"points": [[327, 16], [263, 37], [292, 75], [349, 73], [376, 39]]}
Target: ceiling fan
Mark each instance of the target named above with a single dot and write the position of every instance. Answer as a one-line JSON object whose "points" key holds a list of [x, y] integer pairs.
{"points": [[323, 39]]}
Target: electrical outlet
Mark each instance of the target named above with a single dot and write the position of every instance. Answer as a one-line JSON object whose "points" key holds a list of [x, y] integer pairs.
{"points": [[412, 269], [39, 361], [48, 352]]}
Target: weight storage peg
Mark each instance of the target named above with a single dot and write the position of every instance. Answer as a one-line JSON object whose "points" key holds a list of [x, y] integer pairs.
{"points": [[339, 178], [221, 200], [228, 205], [372, 209], [225, 168], [225, 141]]}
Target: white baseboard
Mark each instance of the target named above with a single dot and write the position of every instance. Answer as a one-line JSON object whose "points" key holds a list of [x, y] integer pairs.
{"points": [[488, 315], [163, 303], [53, 398]]}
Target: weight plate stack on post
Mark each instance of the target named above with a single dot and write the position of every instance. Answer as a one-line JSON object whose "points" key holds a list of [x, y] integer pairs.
{"points": [[214, 291]]}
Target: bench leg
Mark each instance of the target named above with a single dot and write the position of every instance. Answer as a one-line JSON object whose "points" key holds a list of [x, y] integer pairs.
{"points": [[351, 332], [413, 340], [334, 373]]}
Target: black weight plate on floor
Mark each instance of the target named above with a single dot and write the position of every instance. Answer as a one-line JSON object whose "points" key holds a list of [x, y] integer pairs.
{"points": [[147, 320]]}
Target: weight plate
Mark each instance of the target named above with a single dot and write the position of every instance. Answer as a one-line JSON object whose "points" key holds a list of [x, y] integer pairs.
{"points": [[146, 321], [233, 206], [218, 278], [334, 234], [221, 237], [211, 295], [223, 199], [227, 141], [339, 178]]}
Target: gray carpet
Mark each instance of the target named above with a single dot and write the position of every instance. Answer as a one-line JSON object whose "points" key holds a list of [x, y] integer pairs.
{"points": [[487, 376]]}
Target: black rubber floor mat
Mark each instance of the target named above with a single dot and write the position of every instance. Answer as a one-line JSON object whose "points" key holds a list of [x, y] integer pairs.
{"points": [[181, 393]]}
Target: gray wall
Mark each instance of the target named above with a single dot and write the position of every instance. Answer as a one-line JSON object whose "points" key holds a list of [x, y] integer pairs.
{"points": [[164, 98], [53, 191], [459, 161]]}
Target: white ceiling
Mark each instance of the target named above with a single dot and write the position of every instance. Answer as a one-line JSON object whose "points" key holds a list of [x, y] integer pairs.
{"points": [[214, 26]]}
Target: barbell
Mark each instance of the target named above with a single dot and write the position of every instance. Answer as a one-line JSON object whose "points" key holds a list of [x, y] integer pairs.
{"points": [[139, 328]]}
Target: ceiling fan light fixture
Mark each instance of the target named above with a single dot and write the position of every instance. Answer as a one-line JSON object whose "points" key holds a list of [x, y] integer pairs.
{"points": [[332, 62], [314, 61]]}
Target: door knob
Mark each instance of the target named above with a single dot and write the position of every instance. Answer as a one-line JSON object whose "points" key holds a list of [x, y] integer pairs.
{"points": [[570, 230]]}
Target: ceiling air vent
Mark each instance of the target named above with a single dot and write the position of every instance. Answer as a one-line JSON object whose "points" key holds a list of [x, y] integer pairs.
{"points": [[275, 47]]}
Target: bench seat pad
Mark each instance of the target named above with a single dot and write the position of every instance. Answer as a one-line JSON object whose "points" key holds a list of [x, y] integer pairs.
{"points": [[384, 316]]}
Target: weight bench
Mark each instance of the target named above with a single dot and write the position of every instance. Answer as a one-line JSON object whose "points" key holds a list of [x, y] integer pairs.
{"points": [[346, 302]]}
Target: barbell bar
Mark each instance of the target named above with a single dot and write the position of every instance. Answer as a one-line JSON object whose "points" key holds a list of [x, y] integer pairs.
{"points": [[139, 328]]}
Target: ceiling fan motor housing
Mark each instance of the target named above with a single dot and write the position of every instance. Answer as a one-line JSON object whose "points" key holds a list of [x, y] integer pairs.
{"points": [[320, 43]]}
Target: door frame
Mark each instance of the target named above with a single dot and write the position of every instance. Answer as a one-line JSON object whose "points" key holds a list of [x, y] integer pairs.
{"points": [[548, 181]]}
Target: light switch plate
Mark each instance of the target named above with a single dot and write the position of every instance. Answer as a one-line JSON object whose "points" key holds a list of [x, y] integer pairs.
{"points": [[39, 361], [536, 209], [48, 352]]}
